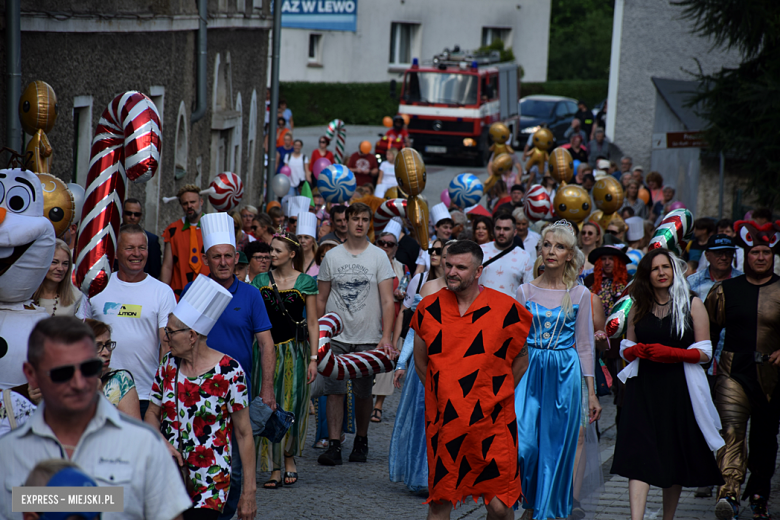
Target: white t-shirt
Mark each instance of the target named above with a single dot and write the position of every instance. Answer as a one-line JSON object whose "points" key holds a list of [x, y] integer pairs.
{"points": [[414, 288], [297, 168], [388, 179], [507, 273], [136, 312], [530, 242], [354, 291]]}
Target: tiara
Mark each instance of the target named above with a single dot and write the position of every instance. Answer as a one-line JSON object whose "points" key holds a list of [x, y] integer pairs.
{"points": [[564, 224], [285, 237]]}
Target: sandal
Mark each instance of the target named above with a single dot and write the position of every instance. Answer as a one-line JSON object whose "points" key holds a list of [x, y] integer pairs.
{"points": [[291, 475], [376, 415], [274, 484], [321, 444]]}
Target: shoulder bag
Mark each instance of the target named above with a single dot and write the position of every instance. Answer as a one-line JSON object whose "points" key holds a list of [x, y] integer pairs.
{"points": [[499, 255], [9, 409]]}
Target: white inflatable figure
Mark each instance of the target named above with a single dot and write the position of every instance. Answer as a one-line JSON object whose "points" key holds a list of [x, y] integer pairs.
{"points": [[26, 251]]}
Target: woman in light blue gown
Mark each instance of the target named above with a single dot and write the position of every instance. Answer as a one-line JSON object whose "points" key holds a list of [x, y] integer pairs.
{"points": [[548, 399]]}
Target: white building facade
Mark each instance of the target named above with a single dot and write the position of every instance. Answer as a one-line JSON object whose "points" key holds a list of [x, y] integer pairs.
{"points": [[375, 40]]}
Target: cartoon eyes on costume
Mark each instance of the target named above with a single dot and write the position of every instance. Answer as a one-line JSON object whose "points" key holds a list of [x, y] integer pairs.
{"points": [[19, 199]]}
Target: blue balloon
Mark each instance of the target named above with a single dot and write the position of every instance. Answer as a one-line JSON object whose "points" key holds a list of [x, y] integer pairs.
{"points": [[336, 183], [465, 190], [576, 164]]}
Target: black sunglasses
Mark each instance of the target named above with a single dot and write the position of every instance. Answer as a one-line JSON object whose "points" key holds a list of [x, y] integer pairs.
{"points": [[89, 368], [435, 251], [134, 214], [611, 232], [385, 244]]}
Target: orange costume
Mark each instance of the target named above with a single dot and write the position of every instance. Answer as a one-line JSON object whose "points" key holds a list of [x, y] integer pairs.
{"points": [[471, 426], [187, 250]]}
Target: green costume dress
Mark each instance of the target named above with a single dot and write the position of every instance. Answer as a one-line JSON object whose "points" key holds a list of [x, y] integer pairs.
{"points": [[292, 361]]}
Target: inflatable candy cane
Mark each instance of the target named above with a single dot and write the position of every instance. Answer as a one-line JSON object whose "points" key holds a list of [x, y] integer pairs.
{"points": [[387, 211], [347, 366], [126, 146], [337, 128]]}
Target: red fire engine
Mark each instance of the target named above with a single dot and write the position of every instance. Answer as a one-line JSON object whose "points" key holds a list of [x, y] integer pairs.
{"points": [[452, 103]]}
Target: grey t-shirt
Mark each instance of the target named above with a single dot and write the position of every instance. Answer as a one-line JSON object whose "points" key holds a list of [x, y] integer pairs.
{"points": [[354, 291]]}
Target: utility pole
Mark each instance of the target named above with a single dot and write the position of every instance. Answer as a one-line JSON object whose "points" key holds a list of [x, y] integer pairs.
{"points": [[272, 117]]}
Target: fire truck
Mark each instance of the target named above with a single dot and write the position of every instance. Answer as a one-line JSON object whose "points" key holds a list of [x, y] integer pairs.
{"points": [[452, 103]]}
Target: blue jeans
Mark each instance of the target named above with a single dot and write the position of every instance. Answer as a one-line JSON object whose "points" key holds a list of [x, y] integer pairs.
{"points": [[236, 475]]}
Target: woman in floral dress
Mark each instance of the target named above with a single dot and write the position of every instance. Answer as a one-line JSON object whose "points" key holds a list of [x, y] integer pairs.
{"points": [[296, 357]]}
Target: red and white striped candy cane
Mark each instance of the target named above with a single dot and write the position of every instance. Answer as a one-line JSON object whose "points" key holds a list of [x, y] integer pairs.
{"points": [[347, 366], [126, 146], [337, 128], [387, 211]]}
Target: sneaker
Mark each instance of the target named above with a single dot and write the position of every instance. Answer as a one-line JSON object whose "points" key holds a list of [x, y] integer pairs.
{"points": [[727, 508], [577, 512], [359, 450], [332, 457], [758, 505]]}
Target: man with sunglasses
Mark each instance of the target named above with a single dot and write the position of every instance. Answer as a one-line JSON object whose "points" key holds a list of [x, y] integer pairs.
{"points": [[132, 213], [76, 422], [136, 306]]}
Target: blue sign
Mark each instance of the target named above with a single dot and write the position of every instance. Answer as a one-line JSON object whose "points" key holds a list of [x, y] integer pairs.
{"points": [[323, 15]]}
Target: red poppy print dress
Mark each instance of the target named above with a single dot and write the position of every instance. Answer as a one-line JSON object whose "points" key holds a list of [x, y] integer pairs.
{"points": [[204, 407]]}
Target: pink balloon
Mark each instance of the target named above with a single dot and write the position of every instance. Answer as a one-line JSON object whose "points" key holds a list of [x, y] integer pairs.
{"points": [[319, 165], [676, 205], [285, 170], [445, 197]]}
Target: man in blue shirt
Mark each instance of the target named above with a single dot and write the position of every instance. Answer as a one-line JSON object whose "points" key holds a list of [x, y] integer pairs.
{"points": [[243, 321]]}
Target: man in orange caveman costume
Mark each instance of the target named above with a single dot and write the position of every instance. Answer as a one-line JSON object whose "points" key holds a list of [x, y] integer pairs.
{"points": [[470, 353]]}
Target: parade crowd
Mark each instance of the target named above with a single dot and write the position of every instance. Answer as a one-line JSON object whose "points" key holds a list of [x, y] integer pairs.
{"points": [[497, 324]]}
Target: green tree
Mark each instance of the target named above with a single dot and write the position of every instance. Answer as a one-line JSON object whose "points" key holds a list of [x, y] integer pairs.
{"points": [[580, 39], [741, 103]]}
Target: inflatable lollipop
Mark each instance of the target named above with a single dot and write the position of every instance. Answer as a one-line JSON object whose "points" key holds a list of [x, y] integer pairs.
{"points": [[537, 204], [465, 190], [228, 191], [572, 202], [126, 146], [336, 183], [616, 323], [347, 366], [561, 165], [675, 228], [387, 211]]}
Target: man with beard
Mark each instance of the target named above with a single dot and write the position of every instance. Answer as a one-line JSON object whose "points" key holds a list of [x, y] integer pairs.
{"points": [[356, 282], [182, 259], [506, 266], [475, 338], [746, 383]]}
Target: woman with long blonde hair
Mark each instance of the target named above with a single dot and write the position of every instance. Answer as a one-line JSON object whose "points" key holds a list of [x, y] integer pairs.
{"points": [[548, 399], [57, 294]]}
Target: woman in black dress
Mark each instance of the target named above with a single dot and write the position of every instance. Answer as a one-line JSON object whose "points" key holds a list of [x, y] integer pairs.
{"points": [[662, 441]]}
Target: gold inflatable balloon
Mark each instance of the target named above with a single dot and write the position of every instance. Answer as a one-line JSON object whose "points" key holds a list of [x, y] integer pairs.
{"points": [[395, 193], [543, 139], [572, 202], [500, 134], [37, 113], [58, 203], [502, 164], [410, 171], [561, 165], [537, 158], [608, 195], [417, 213]]}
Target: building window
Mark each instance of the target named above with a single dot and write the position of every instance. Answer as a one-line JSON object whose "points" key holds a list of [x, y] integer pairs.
{"points": [[315, 50], [82, 138], [182, 144], [491, 34], [402, 42]]}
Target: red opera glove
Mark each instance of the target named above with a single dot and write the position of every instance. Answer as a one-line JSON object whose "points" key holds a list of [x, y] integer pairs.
{"points": [[635, 351], [664, 354]]}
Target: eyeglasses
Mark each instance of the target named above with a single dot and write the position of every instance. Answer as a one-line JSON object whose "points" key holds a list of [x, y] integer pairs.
{"points": [[435, 251], [136, 214], [89, 368], [292, 220], [611, 232], [386, 244], [169, 332], [108, 345], [588, 234], [323, 142], [261, 258]]}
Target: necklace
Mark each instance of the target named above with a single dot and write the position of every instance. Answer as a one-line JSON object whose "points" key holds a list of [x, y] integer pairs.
{"points": [[662, 304], [54, 307]]}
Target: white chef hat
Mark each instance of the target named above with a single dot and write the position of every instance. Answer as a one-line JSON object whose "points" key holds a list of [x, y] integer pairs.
{"points": [[636, 228], [297, 204], [307, 224], [217, 229], [202, 304], [439, 212], [394, 228]]}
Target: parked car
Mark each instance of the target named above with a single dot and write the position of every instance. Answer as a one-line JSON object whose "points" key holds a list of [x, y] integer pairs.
{"points": [[556, 112]]}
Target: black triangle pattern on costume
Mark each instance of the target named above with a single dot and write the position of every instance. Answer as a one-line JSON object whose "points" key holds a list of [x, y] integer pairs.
{"points": [[497, 382], [427, 423], [440, 473], [438, 414], [513, 430], [501, 353], [449, 413], [435, 443], [476, 346], [465, 467], [454, 446], [517, 472], [419, 319], [477, 314], [512, 317], [477, 414], [434, 310], [486, 445], [436, 384], [490, 472], [467, 382], [435, 347], [496, 411]]}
